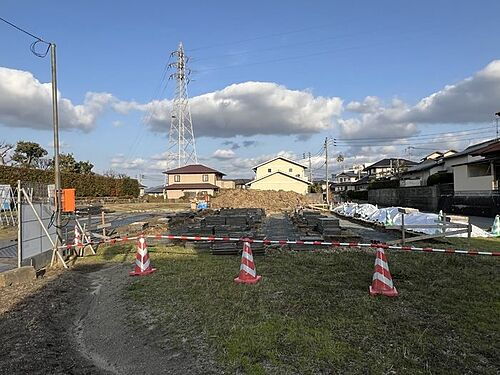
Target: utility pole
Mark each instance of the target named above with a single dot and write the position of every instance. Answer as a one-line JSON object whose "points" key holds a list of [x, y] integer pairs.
{"points": [[55, 123], [181, 142], [496, 117], [310, 168], [326, 170]]}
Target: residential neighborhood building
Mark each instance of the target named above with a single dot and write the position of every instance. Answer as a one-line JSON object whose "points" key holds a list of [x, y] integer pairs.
{"points": [[388, 167], [345, 181], [476, 171], [156, 191], [192, 180], [280, 174]]}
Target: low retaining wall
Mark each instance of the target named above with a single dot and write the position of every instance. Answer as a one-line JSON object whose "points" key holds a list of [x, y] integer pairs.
{"points": [[425, 198], [435, 198]]}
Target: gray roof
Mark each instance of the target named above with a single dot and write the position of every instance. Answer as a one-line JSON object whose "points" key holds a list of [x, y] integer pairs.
{"points": [[386, 163], [155, 189], [471, 149]]}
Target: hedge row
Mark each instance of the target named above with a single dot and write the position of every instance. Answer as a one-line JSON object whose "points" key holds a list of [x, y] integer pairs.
{"points": [[85, 185], [361, 195], [383, 184]]}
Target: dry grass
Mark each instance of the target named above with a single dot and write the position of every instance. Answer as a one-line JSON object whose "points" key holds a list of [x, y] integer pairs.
{"points": [[146, 206], [8, 233], [312, 313]]}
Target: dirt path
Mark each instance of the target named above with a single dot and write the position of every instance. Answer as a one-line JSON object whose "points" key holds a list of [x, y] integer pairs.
{"points": [[79, 322], [120, 337]]}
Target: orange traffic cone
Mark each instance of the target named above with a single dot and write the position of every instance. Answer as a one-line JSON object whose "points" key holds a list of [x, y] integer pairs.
{"points": [[142, 263], [248, 274], [382, 279]]}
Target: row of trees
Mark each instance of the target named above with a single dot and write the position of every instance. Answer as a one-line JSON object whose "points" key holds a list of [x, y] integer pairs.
{"points": [[31, 155]]}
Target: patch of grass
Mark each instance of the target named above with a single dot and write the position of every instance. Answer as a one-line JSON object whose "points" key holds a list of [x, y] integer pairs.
{"points": [[146, 206], [311, 313]]}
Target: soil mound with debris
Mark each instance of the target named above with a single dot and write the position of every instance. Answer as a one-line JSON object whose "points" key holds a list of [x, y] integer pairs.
{"points": [[271, 201]]}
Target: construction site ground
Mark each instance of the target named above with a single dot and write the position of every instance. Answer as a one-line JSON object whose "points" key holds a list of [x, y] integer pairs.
{"points": [[311, 313]]}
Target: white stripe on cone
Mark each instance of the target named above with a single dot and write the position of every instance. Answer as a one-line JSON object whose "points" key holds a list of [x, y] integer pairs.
{"points": [[382, 278], [247, 269]]}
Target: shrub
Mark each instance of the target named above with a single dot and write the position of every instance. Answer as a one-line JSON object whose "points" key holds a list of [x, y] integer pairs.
{"points": [[86, 185], [361, 195], [440, 178], [383, 184]]}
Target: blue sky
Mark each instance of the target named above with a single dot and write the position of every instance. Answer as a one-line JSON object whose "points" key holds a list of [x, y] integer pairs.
{"points": [[319, 57]]}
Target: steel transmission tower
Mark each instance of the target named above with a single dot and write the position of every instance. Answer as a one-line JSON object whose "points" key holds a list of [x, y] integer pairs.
{"points": [[181, 141]]}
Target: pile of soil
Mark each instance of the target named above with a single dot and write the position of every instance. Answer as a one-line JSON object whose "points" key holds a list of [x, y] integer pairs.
{"points": [[271, 201]]}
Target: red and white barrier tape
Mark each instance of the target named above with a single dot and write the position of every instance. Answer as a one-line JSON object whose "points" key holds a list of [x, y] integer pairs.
{"points": [[288, 242]]}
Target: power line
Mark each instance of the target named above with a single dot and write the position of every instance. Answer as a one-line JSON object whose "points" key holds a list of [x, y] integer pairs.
{"points": [[34, 44], [273, 35]]}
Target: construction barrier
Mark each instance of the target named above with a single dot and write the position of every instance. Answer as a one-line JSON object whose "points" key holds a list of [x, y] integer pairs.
{"points": [[372, 245]]}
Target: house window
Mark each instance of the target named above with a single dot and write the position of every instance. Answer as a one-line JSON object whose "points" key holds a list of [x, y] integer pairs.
{"points": [[177, 178], [269, 170], [479, 170], [297, 175], [290, 170], [205, 178]]}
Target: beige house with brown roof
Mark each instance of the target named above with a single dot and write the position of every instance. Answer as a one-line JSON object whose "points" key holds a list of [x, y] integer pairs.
{"points": [[280, 174], [194, 180]]}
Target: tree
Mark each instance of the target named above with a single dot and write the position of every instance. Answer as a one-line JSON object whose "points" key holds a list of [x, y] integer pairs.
{"points": [[84, 167], [27, 154], [114, 174], [5, 149]]}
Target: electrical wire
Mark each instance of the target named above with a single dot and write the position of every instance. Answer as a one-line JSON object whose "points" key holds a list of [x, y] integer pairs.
{"points": [[35, 43]]}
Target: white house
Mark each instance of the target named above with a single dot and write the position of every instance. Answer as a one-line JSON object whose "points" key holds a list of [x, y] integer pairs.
{"points": [[280, 174]]}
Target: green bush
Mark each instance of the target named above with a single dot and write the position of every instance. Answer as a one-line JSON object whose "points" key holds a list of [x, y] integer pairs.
{"points": [[361, 195], [86, 185], [383, 184], [440, 178]]}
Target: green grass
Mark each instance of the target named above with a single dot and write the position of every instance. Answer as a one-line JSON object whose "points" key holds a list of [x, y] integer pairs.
{"points": [[311, 313]]}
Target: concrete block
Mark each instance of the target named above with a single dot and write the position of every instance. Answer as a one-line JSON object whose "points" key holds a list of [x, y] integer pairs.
{"points": [[17, 276], [138, 225]]}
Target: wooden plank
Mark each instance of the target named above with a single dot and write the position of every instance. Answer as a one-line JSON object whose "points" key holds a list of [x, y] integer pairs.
{"points": [[429, 236], [436, 226], [106, 225]]}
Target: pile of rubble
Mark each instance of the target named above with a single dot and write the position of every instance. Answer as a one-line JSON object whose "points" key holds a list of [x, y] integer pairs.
{"points": [[269, 200], [236, 223]]}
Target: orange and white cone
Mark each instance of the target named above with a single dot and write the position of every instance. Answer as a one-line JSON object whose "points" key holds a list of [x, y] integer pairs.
{"points": [[248, 274], [382, 279], [142, 262], [78, 241]]}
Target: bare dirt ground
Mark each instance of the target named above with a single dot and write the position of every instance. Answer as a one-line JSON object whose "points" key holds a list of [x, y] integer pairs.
{"points": [[80, 322]]}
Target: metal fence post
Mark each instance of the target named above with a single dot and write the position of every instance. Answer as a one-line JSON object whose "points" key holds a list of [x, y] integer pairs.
{"points": [[19, 225], [403, 237]]}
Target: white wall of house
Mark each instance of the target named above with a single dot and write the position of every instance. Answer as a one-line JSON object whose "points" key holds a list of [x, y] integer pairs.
{"points": [[468, 178], [193, 178], [280, 165], [281, 182]]}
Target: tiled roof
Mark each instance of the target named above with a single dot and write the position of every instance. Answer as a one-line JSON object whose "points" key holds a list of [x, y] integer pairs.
{"points": [[191, 186], [155, 189], [386, 163], [193, 169]]}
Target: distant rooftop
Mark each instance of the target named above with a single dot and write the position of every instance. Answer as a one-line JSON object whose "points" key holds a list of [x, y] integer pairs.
{"points": [[193, 168]]}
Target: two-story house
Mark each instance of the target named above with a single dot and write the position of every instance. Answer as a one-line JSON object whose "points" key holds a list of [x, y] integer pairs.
{"points": [[193, 180], [280, 174], [388, 167]]}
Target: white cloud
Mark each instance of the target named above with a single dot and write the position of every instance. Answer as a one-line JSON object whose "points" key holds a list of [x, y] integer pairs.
{"points": [[247, 109], [223, 154], [369, 105], [26, 102]]}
